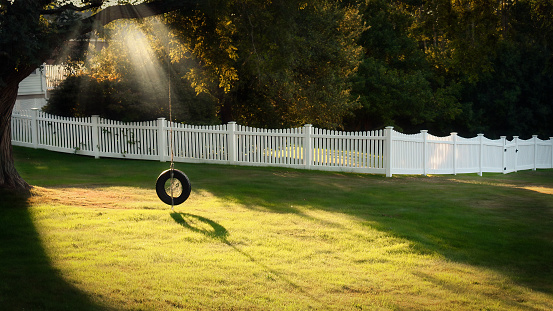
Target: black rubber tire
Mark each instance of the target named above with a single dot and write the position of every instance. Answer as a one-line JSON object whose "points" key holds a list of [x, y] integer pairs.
{"points": [[160, 187]]}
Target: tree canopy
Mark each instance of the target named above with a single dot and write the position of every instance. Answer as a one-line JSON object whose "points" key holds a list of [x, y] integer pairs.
{"points": [[464, 66], [261, 63], [33, 31]]}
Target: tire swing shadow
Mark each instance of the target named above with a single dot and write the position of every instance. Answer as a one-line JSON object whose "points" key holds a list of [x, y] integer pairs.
{"points": [[197, 224], [201, 225]]}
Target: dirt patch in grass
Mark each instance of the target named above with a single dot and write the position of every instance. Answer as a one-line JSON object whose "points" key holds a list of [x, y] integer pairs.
{"points": [[91, 197]]}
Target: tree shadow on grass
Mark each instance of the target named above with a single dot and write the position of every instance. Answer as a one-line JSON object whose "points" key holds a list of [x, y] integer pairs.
{"points": [[27, 279], [506, 229]]}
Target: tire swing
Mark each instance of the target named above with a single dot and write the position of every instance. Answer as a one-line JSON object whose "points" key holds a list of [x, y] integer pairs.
{"points": [[172, 186]]}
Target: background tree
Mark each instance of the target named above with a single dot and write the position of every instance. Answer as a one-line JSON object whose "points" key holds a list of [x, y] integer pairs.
{"points": [[128, 80], [261, 63], [498, 53], [515, 97], [274, 63], [467, 66], [395, 82]]}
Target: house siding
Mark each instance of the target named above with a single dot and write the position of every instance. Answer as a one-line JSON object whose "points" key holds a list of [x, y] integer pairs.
{"points": [[33, 84], [32, 92]]}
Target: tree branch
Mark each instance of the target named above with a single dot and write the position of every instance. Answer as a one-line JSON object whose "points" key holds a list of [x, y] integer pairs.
{"points": [[71, 7], [128, 11]]}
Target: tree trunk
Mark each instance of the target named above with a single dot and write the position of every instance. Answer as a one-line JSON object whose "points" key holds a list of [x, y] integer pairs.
{"points": [[225, 112], [9, 177]]}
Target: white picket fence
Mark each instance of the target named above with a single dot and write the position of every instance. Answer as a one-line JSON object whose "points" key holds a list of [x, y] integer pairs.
{"points": [[381, 152], [54, 75]]}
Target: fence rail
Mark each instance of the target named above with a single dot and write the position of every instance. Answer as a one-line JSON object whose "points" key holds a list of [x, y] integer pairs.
{"points": [[381, 152]]}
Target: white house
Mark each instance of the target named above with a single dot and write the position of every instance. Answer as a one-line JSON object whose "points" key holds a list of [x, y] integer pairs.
{"points": [[33, 91]]}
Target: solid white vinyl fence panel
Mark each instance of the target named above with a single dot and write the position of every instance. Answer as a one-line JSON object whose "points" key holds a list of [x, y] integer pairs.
{"points": [[467, 155], [492, 155], [544, 153], [441, 155], [407, 153], [509, 155], [524, 153]]}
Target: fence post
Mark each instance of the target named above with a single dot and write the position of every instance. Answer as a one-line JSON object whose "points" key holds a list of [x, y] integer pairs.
{"points": [[504, 140], [454, 153], [307, 146], [424, 152], [161, 139], [34, 127], [535, 138], [232, 143], [551, 141], [388, 150], [515, 139], [95, 141], [481, 154]]}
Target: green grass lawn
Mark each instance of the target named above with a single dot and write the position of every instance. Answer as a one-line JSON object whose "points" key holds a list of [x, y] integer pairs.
{"points": [[95, 237]]}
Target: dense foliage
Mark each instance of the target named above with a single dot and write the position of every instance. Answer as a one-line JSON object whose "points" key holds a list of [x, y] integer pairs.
{"points": [[466, 66], [85, 95], [275, 63], [261, 63]]}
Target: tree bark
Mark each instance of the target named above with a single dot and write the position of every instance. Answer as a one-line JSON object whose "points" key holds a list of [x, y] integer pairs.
{"points": [[9, 177]]}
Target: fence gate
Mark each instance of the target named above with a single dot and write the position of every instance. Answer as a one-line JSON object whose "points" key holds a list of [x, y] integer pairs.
{"points": [[510, 157]]}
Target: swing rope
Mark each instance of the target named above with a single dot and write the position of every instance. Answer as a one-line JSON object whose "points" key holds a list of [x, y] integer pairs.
{"points": [[172, 167], [179, 184]]}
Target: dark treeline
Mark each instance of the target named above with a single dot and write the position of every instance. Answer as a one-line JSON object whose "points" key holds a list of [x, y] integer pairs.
{"points": [[468, 66], [457, 65]]}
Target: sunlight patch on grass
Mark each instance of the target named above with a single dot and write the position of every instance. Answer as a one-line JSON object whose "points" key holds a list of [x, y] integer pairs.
{"points": [[544, 190], [110, 197], [539, 189]]}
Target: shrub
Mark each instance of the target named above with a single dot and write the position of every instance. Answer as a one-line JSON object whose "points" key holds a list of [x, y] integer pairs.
{"points": [[83, 95]]}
